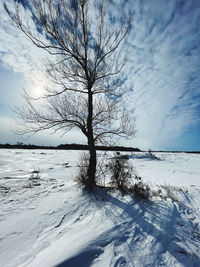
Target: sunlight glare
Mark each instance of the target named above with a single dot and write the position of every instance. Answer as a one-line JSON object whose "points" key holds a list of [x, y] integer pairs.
{"points": [[38, 90], [38, 84]]}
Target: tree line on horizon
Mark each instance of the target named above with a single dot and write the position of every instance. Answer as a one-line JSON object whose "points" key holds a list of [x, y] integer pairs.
{"points": [[69, 146]]}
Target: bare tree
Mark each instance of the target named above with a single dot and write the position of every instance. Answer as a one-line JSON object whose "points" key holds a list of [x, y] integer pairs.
{"points": [[84, 67]]}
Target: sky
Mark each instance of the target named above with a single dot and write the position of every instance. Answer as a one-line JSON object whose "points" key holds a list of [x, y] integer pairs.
{"points": [[163, 76]]}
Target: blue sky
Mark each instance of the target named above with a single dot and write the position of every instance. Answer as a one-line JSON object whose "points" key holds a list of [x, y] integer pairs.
{"points": [[163, 75]]}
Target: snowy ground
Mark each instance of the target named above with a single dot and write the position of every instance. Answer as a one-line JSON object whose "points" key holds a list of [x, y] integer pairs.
{"points": [[50, 221]]}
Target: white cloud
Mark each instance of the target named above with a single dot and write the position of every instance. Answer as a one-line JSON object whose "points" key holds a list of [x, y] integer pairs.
{"points": [[7, 125], [17, 52], [164, 72]]}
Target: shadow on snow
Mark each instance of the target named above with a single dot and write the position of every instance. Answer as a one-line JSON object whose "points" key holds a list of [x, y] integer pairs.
{"points": [[143, 231]]}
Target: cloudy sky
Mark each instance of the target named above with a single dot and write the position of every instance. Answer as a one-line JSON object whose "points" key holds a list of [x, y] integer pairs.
{"points": [[163, 76]]}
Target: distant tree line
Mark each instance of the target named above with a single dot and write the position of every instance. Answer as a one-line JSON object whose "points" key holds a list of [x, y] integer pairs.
{"points": [[85, 147], [69, 147]]}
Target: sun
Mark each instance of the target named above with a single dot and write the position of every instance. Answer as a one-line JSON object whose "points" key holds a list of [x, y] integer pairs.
{"points": [[38, 83], [38, 90]]}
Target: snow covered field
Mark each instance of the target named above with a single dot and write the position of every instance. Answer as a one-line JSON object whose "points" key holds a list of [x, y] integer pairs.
{"points": [[50, 221]]}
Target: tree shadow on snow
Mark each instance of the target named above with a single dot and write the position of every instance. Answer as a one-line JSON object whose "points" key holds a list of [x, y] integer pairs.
{"points": [[147, 230], [83, 259], [162, 221]]}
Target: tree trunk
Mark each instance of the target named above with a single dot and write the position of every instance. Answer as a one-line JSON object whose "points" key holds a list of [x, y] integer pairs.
{"points": [[91, 144], [92, 166]]}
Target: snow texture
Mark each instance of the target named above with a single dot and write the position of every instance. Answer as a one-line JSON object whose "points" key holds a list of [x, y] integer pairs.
{"points": [[46, 219]]}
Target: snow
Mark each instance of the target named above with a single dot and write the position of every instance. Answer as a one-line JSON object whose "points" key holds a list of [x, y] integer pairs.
{"points": [[179, 169], [51, 221]]}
